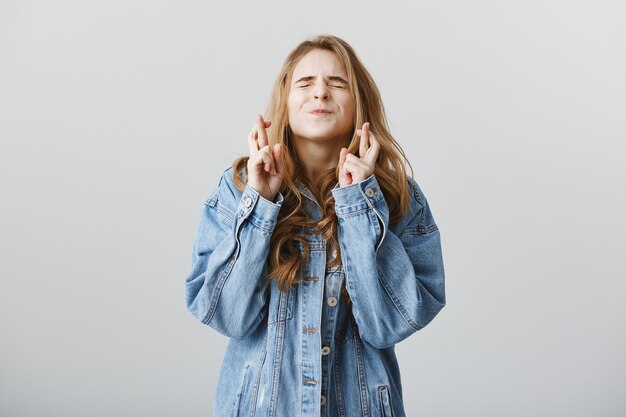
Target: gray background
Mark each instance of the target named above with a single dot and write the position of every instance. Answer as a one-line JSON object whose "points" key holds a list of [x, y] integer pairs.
{"points": [[117, 117]]}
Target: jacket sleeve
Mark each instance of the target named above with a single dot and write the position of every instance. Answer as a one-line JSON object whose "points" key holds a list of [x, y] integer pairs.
{"points": [[395, 280], [226, 288]]}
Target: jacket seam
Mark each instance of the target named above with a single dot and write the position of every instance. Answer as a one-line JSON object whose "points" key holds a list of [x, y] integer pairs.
{"points": [[257, 379], [361, 375], [218, 291], [396, 301], [353, 213], [214, 203]]}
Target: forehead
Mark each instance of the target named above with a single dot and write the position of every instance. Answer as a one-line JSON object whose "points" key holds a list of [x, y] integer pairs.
{"points": [[319, 61]]}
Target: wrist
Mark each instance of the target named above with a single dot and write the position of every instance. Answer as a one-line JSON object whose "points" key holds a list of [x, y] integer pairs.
{"points": [[266, 195]]}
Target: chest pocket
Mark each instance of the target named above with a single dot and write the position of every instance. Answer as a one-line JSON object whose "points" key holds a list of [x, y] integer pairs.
{"points": [[281, 305]]}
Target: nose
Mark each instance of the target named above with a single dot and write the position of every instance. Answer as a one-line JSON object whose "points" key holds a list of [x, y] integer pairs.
{"points": [[321, 91]]}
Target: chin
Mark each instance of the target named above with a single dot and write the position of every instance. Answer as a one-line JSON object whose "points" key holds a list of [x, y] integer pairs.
{"points": [[319, 134]]}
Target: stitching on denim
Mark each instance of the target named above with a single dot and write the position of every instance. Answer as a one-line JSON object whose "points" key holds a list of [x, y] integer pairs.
{"points": [[218, 291], [396, 301], [338, 392], [419, 230], [381, 402], [242, 387], [277, 362], [257, 382], [361, 373], [267, 230], [211, 200], [288, 314], [341, 212], [220, 208], [383, 232]]}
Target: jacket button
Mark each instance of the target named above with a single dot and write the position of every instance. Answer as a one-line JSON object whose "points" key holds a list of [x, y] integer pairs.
{"points": [[322, 400], [370, 192], [325, 350], [310, 381], [332, 301], [334, 254], [247, 201]]}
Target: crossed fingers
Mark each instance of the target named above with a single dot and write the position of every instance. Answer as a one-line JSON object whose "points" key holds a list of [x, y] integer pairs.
{"points": [[260, 151], [357, 168]]}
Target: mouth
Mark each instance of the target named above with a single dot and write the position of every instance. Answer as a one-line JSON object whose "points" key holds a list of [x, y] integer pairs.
{"points": [[320, 112]]}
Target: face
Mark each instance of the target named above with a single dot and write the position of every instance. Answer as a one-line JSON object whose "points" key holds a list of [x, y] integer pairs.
{"points": [[320, 105]]}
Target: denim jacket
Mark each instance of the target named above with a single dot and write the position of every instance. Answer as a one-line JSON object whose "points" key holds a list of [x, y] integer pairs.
{"points": [[307, 352]]}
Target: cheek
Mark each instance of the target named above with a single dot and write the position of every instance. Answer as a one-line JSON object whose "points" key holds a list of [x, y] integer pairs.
{"points": [[292, 104], [349, 108]]}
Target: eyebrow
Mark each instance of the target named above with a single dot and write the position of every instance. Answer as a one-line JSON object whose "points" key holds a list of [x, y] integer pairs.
{"points": [[331, 78]]}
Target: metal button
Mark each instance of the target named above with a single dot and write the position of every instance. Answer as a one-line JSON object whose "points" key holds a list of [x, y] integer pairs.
{"points": [[325, 350], [310, 381], [334, 253], [332, 301], [322, 400], [370, 192], [247, 201]]}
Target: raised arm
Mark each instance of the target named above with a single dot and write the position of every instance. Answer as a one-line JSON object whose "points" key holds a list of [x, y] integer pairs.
{"points": [[395, 279], [226, 288]]}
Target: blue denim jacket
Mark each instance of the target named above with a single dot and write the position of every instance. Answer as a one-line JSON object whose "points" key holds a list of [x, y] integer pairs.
{"points": [[307, 352]]}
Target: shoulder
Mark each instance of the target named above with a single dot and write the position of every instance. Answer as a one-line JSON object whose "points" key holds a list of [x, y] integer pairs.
{"points": [[226, 195]]}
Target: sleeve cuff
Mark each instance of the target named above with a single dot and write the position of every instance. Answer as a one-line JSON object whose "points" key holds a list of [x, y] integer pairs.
{"points": [[357, 196], [262, 212]]}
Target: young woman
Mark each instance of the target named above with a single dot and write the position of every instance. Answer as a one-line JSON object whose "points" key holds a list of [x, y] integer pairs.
{"points": [[317, 253]]}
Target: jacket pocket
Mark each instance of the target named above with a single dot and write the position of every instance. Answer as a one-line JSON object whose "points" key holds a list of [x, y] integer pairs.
{"points": [[384, 401], [242, 392]]}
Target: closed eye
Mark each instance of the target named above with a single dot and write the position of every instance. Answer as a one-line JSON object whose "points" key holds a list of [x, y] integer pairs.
{"points": [[331, 85]]}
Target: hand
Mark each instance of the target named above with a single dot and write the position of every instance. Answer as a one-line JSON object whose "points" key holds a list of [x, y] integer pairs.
{"points": [[265, 164], [353, 169]]}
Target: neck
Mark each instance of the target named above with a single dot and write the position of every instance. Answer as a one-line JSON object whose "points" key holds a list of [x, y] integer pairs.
{"points": [[317, 156]]}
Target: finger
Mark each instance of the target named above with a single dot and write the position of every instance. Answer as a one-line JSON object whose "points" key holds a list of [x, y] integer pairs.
{"points": [[344, 178], [261, 157], [253, 146], [364, 142], [356, 169], [278, 158], [372, 153], [268, 159], [355, 161], [261, 131], [342, 157]]}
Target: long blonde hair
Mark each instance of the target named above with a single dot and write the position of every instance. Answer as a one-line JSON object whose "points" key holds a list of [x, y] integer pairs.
{"points": [[285, 261]]}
